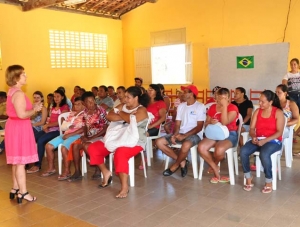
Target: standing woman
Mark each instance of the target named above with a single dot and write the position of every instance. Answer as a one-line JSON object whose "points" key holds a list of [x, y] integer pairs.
{"points": [[19, 139]]}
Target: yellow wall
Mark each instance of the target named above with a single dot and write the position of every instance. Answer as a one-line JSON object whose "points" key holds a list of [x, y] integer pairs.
{"points": [[24, 38], [208, 24]]}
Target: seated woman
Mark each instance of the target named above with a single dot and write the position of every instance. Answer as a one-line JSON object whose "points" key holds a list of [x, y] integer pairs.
{"points": [[135, 103], [289, 107], [165, 97], [266, 132], [227, 114], [214, 93], [170, 123], [50, 98], [95, 125], [39, 118], [245, 107], [157, 107], [72, 133], [50, 129]]}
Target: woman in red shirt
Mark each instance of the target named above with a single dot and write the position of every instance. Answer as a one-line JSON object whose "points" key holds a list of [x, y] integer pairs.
{"points": [[157, 107], [266, 129], [227, 114]]}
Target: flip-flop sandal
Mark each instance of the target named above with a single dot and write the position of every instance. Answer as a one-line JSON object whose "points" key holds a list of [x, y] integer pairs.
{"points": [[96, 176], [48, 173], [33, 170], [214, 180], [248, 187], [224, 180], [296, 154], [74, 178], [267, 190], [61, 177]]}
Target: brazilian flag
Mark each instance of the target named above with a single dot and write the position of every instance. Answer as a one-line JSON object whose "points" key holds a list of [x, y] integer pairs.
{"points": [[245, 62]]}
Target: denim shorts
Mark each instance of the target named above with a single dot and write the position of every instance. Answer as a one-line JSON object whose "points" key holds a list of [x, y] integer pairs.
{"points": [[195, 139], [233, 138]]}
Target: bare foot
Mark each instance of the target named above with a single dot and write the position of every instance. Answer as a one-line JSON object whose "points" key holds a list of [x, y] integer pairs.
{"points": [[122, 194]]}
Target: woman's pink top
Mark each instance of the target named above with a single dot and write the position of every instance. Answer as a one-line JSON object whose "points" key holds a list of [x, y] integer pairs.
{"points": [[54, 116], [266, 127]]}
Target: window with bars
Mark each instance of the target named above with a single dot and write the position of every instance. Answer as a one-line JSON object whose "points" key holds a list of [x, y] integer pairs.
{"points": [[70, 49]]}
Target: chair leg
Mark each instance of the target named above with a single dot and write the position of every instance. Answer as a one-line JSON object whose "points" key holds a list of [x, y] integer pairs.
{"points": [[111, 162], [201, 168], [83, 164], [279, 166], [288, 152], [274, 170], [258, 165], [167, 162], [230, 166], [148, 152], [236, 165], [131, 171], [59, 157], [194, 161], [144, 165]]}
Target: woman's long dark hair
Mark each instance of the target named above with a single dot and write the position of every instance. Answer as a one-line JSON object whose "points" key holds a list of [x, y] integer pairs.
{"points": [[242, 90], [143, 99], [63, 101], [158, 92], [271, 96], [283, 88]]}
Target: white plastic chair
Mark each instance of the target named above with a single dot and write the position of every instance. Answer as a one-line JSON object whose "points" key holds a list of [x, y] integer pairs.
{"points": [[131, 160], [288, 146], [59, 154], [232, 158], [149, 148], [275, 158], [193, 157]]}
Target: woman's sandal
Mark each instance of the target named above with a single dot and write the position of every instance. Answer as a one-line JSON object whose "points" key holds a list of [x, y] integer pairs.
{"points": [[19, 199], [63, 177], [267, 189], [102, 185], [248, 187], [13, 194], [214, 180], [224, 179]]}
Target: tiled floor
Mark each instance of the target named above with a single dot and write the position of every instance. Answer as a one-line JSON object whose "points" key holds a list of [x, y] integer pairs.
{"points": [[154, 201]]}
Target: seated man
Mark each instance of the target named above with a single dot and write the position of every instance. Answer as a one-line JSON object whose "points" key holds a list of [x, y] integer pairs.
{"points": [[120, 95], [188, 126], [3, 115], [104, 100]]}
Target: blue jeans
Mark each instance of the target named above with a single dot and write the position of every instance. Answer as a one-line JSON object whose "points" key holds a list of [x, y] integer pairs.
{"points": [[43, 139], [265, 153], [296, 99]]}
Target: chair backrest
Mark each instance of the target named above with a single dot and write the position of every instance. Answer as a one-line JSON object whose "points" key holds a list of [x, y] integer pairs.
{"points": [[201, 96], [254, 95], [168, 92], [208, 94], [241, 120], [208, 105], [64, 116], [232, 95]]}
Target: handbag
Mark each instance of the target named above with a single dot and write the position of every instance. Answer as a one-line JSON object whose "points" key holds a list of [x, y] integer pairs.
{"points": [[119, 134], [66, 124], [216, 131]]}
